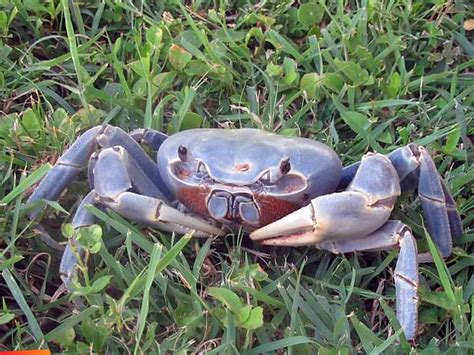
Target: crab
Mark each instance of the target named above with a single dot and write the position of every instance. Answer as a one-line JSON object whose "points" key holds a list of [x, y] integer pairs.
{"points": [[283, 191]]}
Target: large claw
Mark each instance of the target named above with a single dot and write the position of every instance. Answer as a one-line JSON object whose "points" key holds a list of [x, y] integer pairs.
{"points": [[296, 229], [339, 216], [360, 210]]}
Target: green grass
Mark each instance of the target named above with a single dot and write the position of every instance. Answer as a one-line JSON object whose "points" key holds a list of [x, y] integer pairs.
{"points": [[358, 75]]}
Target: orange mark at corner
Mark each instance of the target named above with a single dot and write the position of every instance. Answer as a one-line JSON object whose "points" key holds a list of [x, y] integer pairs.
{"points": [[26, 352]]}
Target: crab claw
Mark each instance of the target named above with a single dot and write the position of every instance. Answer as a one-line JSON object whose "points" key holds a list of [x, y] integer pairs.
{"points": [[336, 216], [295, 229], [167, 214]]}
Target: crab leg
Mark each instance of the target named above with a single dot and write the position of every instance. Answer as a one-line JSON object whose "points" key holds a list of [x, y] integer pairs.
{"points": [[439, 208], [455, 223], [82, 218], [416, 167], [77, 156], [67, 167], [115, 176], [433, 201], [406, 284], [149, 137], [392, 234], [360, 210]]}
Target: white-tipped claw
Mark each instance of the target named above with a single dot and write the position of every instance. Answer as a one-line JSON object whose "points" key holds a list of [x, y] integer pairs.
{"points": [[167, 214], [296, 229]]}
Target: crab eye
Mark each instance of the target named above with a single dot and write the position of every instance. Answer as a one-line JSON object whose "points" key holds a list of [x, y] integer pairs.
{"points": [[285, 166], [182, 153]]}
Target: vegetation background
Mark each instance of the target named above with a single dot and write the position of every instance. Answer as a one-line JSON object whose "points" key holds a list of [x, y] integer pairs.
{"points": [[358, 75]]}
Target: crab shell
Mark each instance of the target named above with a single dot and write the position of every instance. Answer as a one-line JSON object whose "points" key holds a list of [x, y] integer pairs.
{"points": [[247, 176]]}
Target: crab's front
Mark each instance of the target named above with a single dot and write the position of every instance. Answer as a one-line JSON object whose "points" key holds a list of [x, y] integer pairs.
{"points": [[284, 191], [246, 177]]}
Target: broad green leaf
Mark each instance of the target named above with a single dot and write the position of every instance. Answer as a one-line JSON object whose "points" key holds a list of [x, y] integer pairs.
{"points": [[353, 72], [430, 315], [154, 36], [179, 57], [310, 83], [243, 314], [290, 69], [226, 297], [333, 82], [191, 120], [356, 121], [138, 68], [163, 81], [310, 14], [274, 70], [101, 283], [4, 22], [393, 86], [31, 123], [254, 320], [249, 272], [95, 288], [67, 230], [385, 137], [197, 67], [452, 141], [65, 337], [90, 238], [289, 132]]}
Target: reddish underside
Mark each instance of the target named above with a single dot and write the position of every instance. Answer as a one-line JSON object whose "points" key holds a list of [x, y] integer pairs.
{"points": [[194, 199], [271, 208]]}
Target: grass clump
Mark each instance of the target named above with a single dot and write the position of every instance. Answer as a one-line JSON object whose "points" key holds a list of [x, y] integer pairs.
{"points": [[359, 76]]}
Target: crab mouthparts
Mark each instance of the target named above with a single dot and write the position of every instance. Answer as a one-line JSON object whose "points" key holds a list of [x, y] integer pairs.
{"points": [[233, 206]]}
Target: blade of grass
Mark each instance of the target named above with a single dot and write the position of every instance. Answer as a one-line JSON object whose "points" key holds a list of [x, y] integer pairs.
{"points": [[368, 339], [80, 71], [154, 260], [444, 276], [281, 344], [20, 299], [26, 183]]}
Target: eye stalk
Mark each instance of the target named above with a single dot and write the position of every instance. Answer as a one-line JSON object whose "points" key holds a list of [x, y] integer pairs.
{"points": [[182, 153], [271, 176], [285, 166]]}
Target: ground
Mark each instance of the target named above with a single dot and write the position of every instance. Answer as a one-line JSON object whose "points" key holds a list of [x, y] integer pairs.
{"points": [[358, 75]]}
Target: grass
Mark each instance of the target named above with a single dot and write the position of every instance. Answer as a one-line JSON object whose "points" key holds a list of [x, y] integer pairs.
{"points": [[359, 76]]}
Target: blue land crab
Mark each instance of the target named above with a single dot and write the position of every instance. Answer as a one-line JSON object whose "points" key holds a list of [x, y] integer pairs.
{"points": [[283, 191]]}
